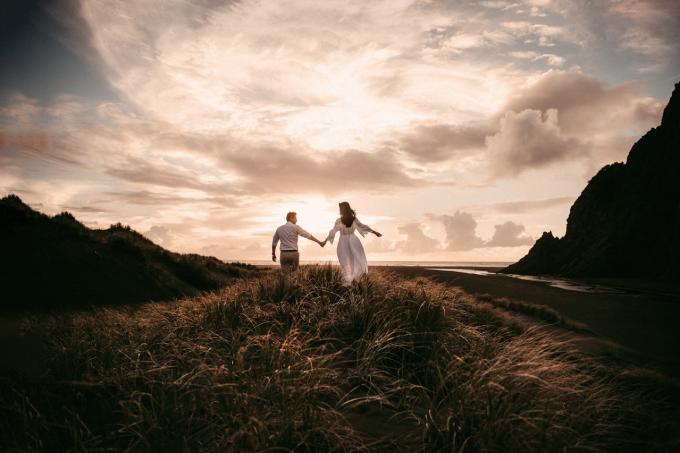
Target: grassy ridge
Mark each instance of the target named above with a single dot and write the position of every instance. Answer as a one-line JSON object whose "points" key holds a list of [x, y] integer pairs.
{"points": [[301, 363], [56, 262]]}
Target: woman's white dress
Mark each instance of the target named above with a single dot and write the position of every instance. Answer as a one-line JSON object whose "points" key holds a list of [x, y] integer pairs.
{"points": [[351, 253]]}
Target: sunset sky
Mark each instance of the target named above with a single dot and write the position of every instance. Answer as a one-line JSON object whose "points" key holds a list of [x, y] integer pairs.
{"points": [[460, 130]]}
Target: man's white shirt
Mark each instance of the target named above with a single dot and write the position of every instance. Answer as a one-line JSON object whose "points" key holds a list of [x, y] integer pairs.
{"points": [[288, 235]]}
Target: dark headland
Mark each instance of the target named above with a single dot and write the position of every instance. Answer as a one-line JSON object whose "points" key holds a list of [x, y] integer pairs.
{"points": [[623, 233], [626, 222]]}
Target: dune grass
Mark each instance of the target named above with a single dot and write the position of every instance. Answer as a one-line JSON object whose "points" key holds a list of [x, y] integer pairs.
{"points": [[300, 363], [536, 311]]}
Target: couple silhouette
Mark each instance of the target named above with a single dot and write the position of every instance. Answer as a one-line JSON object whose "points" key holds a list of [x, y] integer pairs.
{"points": [[351, 255]]}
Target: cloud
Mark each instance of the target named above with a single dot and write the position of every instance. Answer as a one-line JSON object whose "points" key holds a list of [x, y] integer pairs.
{"points": [[530, 140], [380, 245], [580, 116], [160, 234], [525, 54], [231, 249], [152, 164], [152, 154], [416, 242], [85, 209], [283, 170], [461, 231], [649, 27], [438, 142], [302, 94], [586, 104], [521, 206], [253, 247], [541, 34], [51, 131], [555, 117], [34, 141], [20, 111], [462, 41], [158, 173], [643, 30], [509, 234], [550, 58], [307, 72], [164, 198], [496, 4]]}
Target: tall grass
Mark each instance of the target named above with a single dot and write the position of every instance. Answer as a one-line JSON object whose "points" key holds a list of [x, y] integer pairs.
{"points": [[301, 363], [539, 312]]}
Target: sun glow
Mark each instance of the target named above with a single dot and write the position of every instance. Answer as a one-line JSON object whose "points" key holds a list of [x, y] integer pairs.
{"points": [[315, 214]]}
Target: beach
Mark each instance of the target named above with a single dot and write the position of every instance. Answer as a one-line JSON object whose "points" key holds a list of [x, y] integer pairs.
{"points": [[642, 317]]}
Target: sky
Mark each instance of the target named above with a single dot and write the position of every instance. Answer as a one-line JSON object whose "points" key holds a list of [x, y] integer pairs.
{"points": [[461, 130]]}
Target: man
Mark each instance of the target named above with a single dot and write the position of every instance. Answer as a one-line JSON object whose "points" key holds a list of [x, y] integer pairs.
{"points": [[288, 235]]}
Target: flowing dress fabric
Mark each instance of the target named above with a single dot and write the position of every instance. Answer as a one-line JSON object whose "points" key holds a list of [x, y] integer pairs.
{"points": [[351, 253]]}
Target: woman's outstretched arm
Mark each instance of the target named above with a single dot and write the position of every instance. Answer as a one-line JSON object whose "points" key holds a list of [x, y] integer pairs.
{"points": [[363, 229]]}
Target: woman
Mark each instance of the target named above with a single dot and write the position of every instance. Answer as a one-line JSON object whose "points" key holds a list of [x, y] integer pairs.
{"points": [[350, 251]]}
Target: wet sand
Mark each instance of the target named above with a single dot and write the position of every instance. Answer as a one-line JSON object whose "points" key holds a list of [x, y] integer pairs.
{"points": [[645, 320]]}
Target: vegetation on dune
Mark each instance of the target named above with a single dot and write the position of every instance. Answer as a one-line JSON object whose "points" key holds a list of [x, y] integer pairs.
{"points": [[53, 262], [301, 363], [535, 311]]}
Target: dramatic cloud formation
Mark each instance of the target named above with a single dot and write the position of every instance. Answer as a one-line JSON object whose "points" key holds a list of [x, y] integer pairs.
{"points": [[530, 140], [416, 241], [461, 231], [559, 115], [288, 171], [220, 116], [509, 234], [328, 74], [262, 169], [586, 104], [439, 142], [579, 116]]}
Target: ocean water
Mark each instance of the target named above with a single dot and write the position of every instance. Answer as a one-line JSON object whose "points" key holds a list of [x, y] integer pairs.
{"points": [[561, 283], [477, 268]]}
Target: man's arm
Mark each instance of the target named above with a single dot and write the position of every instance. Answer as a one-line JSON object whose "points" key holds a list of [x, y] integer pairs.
{"points": [[305, 234], [275, 240], [312, 238]]}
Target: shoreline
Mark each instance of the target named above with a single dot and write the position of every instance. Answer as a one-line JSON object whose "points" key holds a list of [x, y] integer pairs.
{"points": [[600, 284], [642, 322]]}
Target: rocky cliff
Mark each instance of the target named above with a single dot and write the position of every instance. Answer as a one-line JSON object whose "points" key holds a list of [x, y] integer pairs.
{"points": [[626, 222]]}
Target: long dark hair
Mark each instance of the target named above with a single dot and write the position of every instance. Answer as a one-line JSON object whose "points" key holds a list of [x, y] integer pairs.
{"points": [[347, 214]]}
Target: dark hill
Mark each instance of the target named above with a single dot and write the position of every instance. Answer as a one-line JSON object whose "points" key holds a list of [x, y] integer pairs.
{"points": [[626, 222], [50, 262]]}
